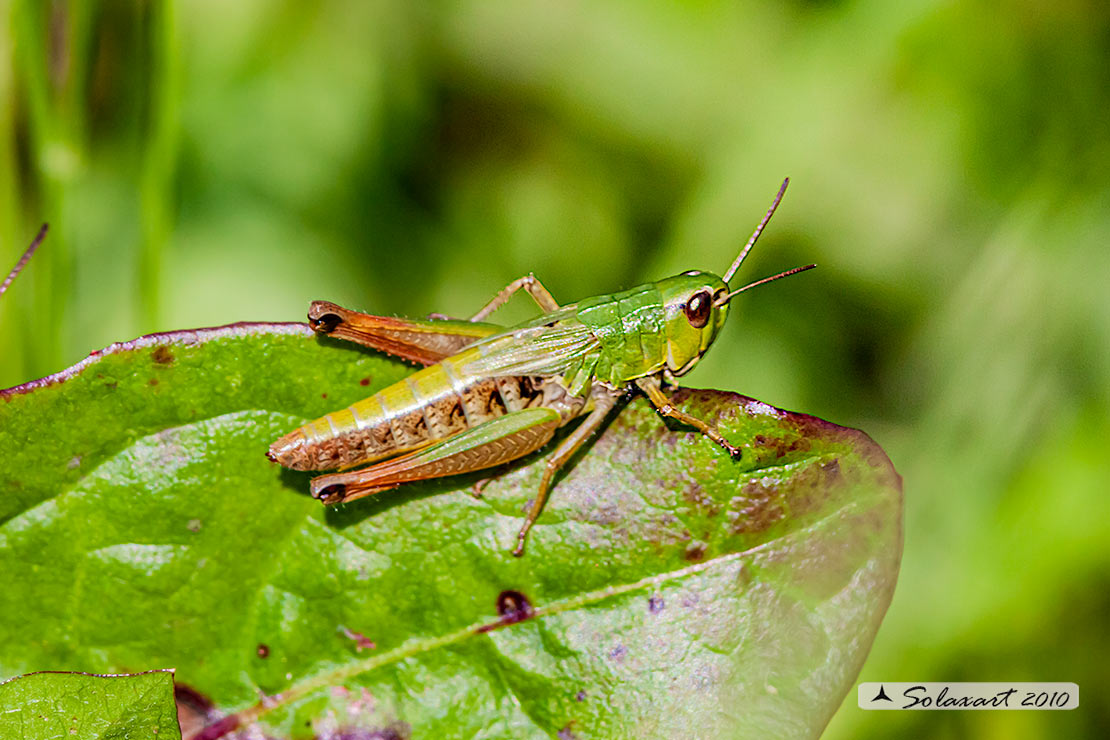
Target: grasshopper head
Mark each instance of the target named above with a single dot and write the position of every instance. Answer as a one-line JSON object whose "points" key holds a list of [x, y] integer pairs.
{"points": [[692, 316], [697, 303]]}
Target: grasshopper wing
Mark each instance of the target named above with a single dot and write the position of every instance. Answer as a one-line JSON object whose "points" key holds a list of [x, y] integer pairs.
{"points": [[424, 341], [556, 343]]}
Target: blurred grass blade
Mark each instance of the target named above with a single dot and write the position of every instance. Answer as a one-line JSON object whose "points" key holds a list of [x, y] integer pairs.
{"points": [[27, 254]]}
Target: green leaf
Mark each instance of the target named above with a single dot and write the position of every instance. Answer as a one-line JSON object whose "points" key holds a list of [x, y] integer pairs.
{"points": [[665, 587], [80, 705]]}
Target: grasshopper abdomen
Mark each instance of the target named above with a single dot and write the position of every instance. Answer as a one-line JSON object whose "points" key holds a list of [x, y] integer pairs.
{"points": [[435, 403]]}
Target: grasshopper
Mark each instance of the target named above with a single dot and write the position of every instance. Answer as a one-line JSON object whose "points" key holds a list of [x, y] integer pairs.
{"points": [[489, 394]]}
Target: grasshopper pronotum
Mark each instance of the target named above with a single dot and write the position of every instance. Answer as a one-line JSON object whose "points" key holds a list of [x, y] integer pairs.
{"points": [[490, 394]]}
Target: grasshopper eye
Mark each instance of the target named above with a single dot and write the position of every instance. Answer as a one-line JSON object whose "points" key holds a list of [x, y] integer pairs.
{"points": [[698, 308]]}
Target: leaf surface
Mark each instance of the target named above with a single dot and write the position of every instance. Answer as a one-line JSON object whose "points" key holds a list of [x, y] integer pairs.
{"points": [[44, 706], [665, 587]]}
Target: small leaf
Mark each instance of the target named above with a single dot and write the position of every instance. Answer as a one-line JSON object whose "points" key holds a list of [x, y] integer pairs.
{"points": [[45, 706], [666, 586]]}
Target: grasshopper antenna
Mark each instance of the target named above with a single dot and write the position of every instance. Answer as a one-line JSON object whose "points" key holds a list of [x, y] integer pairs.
{"points": [[755, 235], [726, 298], [24, 259]]}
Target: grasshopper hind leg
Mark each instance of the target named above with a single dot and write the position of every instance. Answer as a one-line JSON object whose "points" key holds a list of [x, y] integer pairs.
{"points": [[484, 446], [541, 295], [603, 404]]}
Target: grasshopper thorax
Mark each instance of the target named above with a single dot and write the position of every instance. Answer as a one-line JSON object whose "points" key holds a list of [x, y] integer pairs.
{"points": [[693, 314]]}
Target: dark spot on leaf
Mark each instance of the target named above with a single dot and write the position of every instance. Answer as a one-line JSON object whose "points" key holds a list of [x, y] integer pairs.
{"points": [[875, 457], [655, 604], [362, 642], [618, 652], [513, 606], [152, 382], [580, 696], [757, 508], [810, 487], [263, 650], [695, 551], [744, 577], [364, 382], [323, 395], [565, 733], [395, 731], [111, 386], [162, 356], [783, 446], [697, 496], [799, 444]]}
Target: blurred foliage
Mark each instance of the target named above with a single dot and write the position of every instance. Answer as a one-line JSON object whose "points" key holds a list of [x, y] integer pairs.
{"points": [[209, 162]]}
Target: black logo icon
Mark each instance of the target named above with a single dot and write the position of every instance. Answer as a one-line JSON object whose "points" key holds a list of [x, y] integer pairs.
{"points": [[882, 695]]}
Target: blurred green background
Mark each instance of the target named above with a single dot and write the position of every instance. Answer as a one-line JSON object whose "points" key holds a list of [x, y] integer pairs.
{"points": [[208, 162]]}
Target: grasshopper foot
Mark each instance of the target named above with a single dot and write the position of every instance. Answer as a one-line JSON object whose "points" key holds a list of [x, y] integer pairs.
{"points": [[478, 487], [521, 536]]}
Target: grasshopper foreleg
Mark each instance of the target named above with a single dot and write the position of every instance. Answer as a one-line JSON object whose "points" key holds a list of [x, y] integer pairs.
{"points": [[603, 404], [664, 406], [535, 288]]}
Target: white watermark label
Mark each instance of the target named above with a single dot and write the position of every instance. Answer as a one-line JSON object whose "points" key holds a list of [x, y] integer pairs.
{"points": [[967, 695]]}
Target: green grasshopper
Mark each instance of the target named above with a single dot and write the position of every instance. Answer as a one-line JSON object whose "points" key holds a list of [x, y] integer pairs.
{"points": [[490, 394]]}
